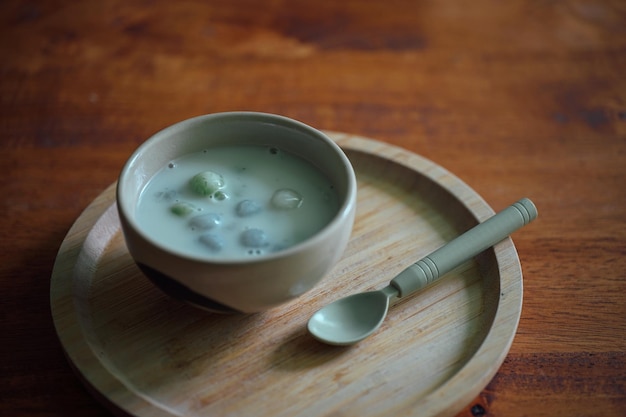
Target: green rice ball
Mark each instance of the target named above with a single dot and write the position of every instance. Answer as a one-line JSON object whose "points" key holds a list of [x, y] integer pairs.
{"points": [[206, 183], [182, 208]]}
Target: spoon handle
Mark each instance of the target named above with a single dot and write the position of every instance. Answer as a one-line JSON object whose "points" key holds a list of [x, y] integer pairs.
{"points": [[464, 247]]}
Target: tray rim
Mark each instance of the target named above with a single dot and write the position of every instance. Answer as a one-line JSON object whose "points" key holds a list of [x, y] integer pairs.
{"points": [[451, 392]]}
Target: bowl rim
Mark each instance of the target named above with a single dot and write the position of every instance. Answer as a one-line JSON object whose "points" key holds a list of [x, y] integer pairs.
{"points": [[344, 213]]}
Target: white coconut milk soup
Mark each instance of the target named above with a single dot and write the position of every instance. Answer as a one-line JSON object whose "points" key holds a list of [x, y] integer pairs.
{"points": [[234, 202]]}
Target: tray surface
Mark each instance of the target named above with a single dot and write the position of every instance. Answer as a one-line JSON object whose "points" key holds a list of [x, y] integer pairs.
{"points": [[144, 354]]}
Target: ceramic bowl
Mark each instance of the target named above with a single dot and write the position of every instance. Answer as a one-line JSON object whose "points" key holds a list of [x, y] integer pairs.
{"points": [[249, 284]]}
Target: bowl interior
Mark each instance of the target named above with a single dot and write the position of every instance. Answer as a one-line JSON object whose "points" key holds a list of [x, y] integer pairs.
{"points": [[204, 132]]}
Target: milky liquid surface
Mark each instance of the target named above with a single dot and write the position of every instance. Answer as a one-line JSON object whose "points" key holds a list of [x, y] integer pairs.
{"points": [[269, 200]]}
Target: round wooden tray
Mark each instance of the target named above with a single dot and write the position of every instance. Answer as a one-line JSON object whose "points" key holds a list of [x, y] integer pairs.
{"points": [[144, 354]]}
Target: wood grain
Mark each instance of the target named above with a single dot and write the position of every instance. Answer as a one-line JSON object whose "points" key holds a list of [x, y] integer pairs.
{"points": [[148, 355], [515, 98]]}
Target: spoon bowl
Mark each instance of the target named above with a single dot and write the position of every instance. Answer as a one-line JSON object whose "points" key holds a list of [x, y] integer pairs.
{"points": [[352, 319]]}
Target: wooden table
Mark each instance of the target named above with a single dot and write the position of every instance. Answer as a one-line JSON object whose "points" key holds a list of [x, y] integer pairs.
{"points": [[516, 98]]}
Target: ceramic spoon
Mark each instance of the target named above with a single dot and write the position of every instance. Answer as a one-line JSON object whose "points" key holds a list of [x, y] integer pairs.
{"points": [[352, 319]]}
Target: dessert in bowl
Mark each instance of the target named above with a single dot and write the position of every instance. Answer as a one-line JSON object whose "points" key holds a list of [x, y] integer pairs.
{"points": [[237, 211]]}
